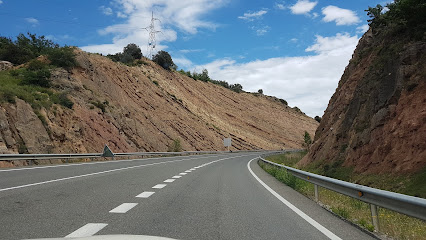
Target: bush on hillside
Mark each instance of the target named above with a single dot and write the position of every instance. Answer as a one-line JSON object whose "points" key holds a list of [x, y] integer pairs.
{"points": [[318, 119], [133, 50], [164, 59], [404, 16], [130, 53], [24, 48], [307, 139], [175, 146], [62, 57], [236, 87]]}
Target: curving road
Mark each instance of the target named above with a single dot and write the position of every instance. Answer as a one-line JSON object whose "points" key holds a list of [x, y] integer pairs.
{"points": [[223, 196]]}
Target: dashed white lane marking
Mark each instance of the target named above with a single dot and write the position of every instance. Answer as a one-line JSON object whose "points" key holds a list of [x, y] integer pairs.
{"points": [[145, 195], [188, 171], [87, 230], [158, 186], [169, 180], [176, 176], [314, 223], [183, 173], [192, 169], [123, 208]]}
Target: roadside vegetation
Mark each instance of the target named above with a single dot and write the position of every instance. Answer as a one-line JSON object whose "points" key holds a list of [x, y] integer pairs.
{"points": [[392, 224], [175, 146], [31, 82]]}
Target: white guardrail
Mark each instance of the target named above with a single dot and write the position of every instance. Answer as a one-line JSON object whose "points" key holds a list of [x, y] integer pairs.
{"points": [[408, 205]]}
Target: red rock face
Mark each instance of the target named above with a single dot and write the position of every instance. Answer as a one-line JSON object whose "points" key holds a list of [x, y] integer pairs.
{"points": [[122, 106], [376, 120]]}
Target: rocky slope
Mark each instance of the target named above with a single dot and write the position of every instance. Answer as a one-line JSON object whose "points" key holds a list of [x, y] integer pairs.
{"points": [[376, 120], [144, 108]]}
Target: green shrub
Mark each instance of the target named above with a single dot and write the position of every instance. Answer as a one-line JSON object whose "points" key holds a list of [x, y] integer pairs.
{"points": [[24, 48], [307, 139], [100, 105], [175, 146], [65, 101], [318, 119], [155, 82], [35, 65], [133, 51], [164, 59], [62, 57], [236, 87], [39, 77]]}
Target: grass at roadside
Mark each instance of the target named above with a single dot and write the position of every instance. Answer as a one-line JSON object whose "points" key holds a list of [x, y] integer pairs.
{"points": [[392, 224]]}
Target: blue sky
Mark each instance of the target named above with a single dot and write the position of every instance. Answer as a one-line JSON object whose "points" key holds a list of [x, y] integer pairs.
{"points": [[296, 50]]}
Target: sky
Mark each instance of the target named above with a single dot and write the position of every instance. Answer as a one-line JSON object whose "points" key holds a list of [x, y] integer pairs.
{"points": [[296, 50]]}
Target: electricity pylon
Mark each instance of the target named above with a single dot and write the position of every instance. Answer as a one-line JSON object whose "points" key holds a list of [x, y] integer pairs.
{"points": [[152, 41]]}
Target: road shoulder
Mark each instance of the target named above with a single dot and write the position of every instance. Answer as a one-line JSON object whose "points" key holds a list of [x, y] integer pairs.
{"points": [[339, 227]]}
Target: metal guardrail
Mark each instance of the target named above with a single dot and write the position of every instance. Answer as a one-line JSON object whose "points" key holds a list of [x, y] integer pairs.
{"points": [[408, 205], [106, 153]]}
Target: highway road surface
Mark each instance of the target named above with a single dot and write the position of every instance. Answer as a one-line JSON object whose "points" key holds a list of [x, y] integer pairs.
{"points": [[226, 196]]}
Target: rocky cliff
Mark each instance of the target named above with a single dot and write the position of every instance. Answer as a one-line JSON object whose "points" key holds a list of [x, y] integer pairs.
{"points": [[376, 120], [144, 108]]}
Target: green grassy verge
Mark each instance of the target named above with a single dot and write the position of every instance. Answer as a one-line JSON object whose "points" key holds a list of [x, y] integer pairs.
{"points": [[392, 224]]}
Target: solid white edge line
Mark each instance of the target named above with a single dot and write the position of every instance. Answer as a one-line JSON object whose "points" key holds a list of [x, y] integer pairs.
{"points": [[169, 180], [145, 195], [159, 186], [123, 208], [314, 223], [87, 230]]}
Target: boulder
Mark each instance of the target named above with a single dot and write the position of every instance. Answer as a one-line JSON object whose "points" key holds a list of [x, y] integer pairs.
{"points": [[5, 65]]}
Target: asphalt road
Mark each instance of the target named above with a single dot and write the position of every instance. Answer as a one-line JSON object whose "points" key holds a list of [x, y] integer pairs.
{"points": [[194, 197]]}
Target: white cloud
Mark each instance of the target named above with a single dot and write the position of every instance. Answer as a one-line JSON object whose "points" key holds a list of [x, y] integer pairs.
{"points": [[303, 7], [339, 15], [182, 62], [1, 1], [105, 10], [185, 15], [33, 21], [306, 82], [262, 30], [251, 16], [280, 6], [362, 29], [190, 50]]}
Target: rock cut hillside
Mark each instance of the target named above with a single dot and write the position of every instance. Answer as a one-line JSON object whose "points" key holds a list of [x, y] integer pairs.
{"points": [[376, 120], [145, 108]]}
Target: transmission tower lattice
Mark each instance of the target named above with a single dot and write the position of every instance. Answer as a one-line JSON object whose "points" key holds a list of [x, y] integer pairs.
{"points": [[152, 41]]}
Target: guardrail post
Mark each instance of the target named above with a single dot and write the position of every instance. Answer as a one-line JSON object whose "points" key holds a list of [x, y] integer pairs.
{"points": [[316, 193], [375, 216]]}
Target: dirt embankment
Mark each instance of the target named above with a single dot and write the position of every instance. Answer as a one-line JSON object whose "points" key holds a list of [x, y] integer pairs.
{"points": [[145, 108]]}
